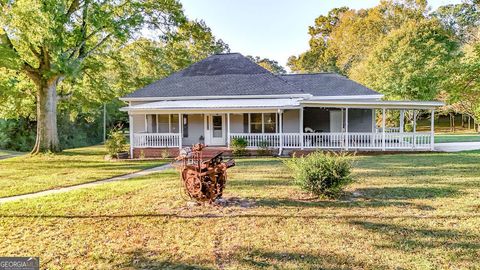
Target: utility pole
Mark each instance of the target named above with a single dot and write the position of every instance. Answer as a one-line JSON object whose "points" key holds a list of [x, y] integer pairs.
{"points": [[104, 122]]}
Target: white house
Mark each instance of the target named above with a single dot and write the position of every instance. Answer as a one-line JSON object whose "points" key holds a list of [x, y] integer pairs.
{"points": [[227, 96]]}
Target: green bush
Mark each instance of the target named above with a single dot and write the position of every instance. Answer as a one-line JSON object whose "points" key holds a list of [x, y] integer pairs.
{"points": [[239, 146], [17, 135], [323, 174], [116, 143]]}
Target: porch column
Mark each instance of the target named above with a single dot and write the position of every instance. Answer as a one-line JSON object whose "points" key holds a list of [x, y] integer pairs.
{"points": [[374, 122], [228, 130], [432, 131], [130, 130], [180, 121], [347, 141], [146, 123], [383, 129], [414, 129], [280, 131], [402, 120], [301, 128]]}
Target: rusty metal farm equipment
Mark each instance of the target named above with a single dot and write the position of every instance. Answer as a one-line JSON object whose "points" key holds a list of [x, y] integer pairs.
{"points": [[203, 180]]}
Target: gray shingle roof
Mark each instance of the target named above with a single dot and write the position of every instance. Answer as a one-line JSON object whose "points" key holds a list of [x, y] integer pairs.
{"points": [[233, 74], [219, 75], [328, 84]]}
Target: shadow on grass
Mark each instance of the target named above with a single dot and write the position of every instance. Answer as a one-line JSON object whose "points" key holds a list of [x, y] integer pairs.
{"points": [[237, 183], [464, 245], [143, 259], [257, 258], [370, 197], [272, 202], [240, 215], [395, 193]]}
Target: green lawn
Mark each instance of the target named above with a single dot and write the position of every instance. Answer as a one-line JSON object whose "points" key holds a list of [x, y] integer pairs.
{"points": [[26, 174], [447, 138], [412, 211]]}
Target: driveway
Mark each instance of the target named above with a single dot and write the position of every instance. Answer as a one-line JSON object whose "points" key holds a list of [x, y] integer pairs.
{"points": [[457, 147]]}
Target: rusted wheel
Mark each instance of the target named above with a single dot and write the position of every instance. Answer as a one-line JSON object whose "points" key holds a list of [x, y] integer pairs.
{"points": [[192, 183]]}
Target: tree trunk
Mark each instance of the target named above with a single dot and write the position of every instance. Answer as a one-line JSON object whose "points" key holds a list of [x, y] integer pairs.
{"points": [[47, 134]]}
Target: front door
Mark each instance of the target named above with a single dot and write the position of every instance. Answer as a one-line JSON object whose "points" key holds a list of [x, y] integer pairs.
{"points": [[215, 129]]}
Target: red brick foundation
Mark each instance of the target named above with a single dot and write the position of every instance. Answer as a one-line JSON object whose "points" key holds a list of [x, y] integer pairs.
{"points": [[173, 152], [154, 152]]}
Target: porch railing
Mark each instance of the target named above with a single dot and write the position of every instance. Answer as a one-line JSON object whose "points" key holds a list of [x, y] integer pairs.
{"points": [[351, 141], [156, 140], [356, 140]]}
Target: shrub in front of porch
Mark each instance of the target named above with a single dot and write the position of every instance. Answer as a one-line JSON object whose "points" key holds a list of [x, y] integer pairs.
{"points": [[323, 174], [239, 146], [116, 143]]}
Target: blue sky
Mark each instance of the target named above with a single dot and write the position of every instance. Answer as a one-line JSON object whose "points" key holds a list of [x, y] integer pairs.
{"points": [[275, 29]]}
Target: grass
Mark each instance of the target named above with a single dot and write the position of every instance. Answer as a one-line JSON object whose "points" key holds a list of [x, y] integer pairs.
{"points": [[412, 211], [448, 138], [26, 174]]}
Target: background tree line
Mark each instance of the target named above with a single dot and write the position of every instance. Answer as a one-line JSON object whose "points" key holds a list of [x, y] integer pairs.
{"points": [[403, 50]]}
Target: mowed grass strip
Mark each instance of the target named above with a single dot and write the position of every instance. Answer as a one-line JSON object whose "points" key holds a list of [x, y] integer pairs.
{"points": [[27, 174], [412, 211], [449, 138]]}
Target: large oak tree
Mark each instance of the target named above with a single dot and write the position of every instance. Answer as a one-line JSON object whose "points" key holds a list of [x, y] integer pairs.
{"points": [[49, 41]]}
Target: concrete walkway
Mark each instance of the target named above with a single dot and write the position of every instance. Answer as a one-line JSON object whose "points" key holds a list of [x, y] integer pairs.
{"points": [[10, 156], [86, 185], [457, 146]]}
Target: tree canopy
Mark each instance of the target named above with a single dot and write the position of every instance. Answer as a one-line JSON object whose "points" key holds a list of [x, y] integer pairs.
{"points": [[399, 48], [80, 52], [268, 64]]}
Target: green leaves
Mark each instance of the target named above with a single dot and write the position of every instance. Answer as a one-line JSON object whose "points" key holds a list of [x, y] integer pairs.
{"points": [[409, 62], [396, 48], [268, 64]]}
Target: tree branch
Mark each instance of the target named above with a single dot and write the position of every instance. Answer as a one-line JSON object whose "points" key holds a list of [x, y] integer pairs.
{"points": [[73, 7], [25, 65], [86, 54]]}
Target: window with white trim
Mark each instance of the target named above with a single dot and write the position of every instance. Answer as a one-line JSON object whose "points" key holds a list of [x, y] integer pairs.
{"points": [[260, 123], [164, 123]]}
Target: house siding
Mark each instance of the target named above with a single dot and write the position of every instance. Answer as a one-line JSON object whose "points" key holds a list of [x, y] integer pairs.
{"points": [[290, 121], [195, 129], [138, 123], [236, 123]]}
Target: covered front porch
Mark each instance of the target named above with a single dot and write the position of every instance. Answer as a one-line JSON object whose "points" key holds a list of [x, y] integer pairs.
{"points": [[335, 125]]}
